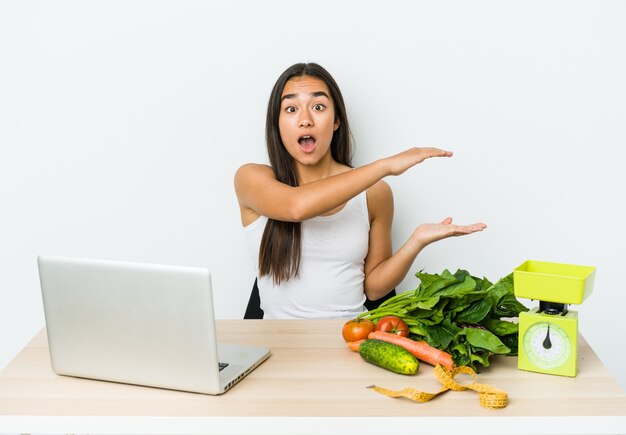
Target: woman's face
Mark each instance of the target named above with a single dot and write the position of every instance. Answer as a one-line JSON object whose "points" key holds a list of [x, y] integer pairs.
{"points": [[307, 119]]}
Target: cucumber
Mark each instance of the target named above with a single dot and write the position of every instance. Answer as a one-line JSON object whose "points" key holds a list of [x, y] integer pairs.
{"points": [[388, 356]]}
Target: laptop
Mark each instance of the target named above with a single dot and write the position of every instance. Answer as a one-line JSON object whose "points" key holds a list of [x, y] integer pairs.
{"points": [[136, 323]]}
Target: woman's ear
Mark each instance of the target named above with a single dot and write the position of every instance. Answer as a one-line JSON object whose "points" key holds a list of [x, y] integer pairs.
{"points": [[336, 124]]}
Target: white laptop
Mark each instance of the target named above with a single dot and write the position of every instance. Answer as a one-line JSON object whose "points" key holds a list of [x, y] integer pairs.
{"points": [[138, 323]]}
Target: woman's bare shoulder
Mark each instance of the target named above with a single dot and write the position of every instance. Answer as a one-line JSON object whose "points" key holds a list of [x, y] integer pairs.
{"points": [[248, 169], [380, 191], [379, 199], [249, 174]]}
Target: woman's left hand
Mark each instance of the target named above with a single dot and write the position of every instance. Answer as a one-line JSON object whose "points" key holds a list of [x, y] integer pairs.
{"points": [[426, 234]]}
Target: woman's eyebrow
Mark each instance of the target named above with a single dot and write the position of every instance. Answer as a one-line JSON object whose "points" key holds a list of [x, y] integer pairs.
{"points": [[312, 94], [320, 94]]}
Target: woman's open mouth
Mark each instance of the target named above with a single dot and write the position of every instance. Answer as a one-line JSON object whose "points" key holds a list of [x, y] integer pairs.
{"points": [[307, 143]]}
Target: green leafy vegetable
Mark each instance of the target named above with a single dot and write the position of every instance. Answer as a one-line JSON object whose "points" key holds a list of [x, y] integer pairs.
{"points": [[483, 339], [459, 313], [475, 312]]}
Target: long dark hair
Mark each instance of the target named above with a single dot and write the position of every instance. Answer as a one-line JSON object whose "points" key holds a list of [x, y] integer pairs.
{"points": [[279, 254]]}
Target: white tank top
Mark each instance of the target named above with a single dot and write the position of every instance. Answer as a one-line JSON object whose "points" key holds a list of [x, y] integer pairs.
{"points": [[330, 280]]}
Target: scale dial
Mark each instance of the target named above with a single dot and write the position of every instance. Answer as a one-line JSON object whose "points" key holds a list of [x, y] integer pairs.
{"points": [[547, 345]]}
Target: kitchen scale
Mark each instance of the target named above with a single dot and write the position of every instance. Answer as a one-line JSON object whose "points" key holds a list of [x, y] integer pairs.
{"points": [[548, 334]]}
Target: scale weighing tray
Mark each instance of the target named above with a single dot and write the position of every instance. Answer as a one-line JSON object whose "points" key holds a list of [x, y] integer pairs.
{"points": [[553, 282]]}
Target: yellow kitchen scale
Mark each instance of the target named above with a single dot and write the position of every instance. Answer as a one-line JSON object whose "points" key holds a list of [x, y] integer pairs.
{"points": [[548, 334]]}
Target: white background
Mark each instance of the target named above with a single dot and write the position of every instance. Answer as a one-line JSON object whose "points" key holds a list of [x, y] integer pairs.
{"points": [[123, 123]]}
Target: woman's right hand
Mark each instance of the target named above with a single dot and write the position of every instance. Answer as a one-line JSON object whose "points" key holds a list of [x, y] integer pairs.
{"points": [[399, 163]]}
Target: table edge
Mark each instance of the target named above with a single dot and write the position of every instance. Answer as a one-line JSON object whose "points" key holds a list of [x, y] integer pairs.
{"points": [[300, 425]]}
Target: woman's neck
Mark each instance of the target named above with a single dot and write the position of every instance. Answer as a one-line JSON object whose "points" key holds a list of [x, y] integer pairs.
{"points": [[323, 169]]}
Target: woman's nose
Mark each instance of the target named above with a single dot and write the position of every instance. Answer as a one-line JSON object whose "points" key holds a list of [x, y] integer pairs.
{"points": [[305, 119]]}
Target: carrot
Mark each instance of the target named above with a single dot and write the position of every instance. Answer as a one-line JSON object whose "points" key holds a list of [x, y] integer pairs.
{"points": [[419, 349], [354, 345]]}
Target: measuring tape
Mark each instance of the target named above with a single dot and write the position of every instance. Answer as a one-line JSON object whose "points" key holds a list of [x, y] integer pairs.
{"points": [[489, 396]]}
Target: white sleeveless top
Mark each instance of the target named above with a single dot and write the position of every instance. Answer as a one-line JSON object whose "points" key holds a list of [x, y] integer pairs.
{"points": [[330, 280]]}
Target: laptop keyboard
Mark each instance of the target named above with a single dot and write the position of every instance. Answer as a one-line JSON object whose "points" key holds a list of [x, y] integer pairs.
{"points": [[222, 366]]}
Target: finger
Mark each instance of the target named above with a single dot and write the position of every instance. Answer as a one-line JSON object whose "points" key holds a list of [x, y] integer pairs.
{"points": [[447, 221], [475, 227], [436, 152], [462, 230]]}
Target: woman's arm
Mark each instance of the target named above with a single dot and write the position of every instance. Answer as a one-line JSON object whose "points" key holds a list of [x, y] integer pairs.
{"points": [[259, 192], [383, 271]]}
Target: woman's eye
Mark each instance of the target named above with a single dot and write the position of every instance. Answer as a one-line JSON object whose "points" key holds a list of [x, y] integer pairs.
{"points": [[318, 107], [290, 109]]}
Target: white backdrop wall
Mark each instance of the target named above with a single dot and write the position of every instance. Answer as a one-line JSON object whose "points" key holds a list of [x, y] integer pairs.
{"points": [[123, 123]]}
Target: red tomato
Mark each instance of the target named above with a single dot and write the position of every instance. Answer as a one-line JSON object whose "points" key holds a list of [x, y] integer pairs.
{"points": [[393, 325], [357, 329]]}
